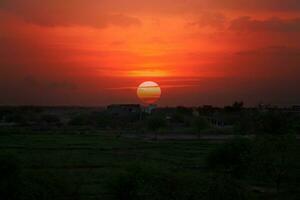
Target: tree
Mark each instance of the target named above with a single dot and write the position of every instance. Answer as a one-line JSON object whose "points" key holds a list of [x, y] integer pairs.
{"points": [[80, 120], [50, 119], [225, 187], [273, 158], [246, 123], [201, 124], [151, 182], [10, 181], [19, 184], [233, 157], [237, 106], [100, 119], [275, 123], [155, 123]]}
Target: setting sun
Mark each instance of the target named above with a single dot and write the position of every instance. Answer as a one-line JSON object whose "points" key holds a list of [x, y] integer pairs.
{"points": [[149, 92]]}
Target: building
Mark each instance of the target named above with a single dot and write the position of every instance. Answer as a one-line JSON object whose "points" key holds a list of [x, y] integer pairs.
{"points": [[150, 108], [124, 109], [296, 108]]}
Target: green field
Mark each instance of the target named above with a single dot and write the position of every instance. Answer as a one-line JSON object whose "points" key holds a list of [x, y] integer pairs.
{"points": [[91, 160]]}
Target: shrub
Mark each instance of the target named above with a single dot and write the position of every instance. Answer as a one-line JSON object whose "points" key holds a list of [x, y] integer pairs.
{"points": [[15, 184], [232, 157], [201, 124], [141, 182], [10, 177], [275, 123], [48, 186], [225, 187], [274, 158], [155, 123]]}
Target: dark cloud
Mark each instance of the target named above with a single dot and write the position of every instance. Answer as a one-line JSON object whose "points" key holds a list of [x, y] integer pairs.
{"points": [[276, 62], [61, 85], [99, 21], [213, 20], [77, 9], [247, 24], [31, 81], [266, 5], [34, 82], [57, 13], [272, 50]]}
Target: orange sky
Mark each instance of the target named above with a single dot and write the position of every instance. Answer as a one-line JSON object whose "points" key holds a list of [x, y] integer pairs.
{"points": [[95, 52]]}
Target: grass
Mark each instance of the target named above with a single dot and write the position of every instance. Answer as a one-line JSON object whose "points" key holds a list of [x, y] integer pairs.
{"points": [[90, 160]]}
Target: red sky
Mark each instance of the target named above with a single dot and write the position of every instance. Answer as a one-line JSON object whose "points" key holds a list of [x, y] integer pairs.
{"points": [[95, 52]]}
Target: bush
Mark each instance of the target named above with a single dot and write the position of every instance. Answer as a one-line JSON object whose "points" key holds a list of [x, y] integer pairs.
{"points": [[273, 159], [15, 184], [274, 123], [155, 123], [225, 187], [232, 157], [10, 177], [201, 124], [48, 186], [141, 182], [50, 119], [79, 120], [267, 160]]}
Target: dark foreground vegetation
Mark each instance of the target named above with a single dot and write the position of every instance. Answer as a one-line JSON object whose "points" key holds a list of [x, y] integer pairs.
{"points": [[104, 167], [234, 119], [79, 159]]}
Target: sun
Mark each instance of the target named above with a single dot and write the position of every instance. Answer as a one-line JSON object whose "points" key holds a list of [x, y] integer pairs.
{"points": [[149, 92]]}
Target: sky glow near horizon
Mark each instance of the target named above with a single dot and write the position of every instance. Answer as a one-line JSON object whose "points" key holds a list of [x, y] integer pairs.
{"points": [[96, 52]]}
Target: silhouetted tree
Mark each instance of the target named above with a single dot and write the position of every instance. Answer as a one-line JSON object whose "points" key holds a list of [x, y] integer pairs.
{"points": [[155, 123], [50, 119], [10, 177], [273, 158], [19, 184], [201, 124], [275, 123], [225, 187], [141, 182], [233, 157], [184, 110], [80, 120], [237, 106]]}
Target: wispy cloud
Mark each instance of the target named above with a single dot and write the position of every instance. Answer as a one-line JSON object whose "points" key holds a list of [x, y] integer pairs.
{"points": [[271, 25], [162, 86]]}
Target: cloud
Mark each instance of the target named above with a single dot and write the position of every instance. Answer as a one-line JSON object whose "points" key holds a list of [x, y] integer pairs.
{"points": [[247, 24], [162, 86], [55, 13], [33, 82], [211, 20], [79, 8], [99, 21], [61, 85], [276, 62], [272, 50], [270, 5]]}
